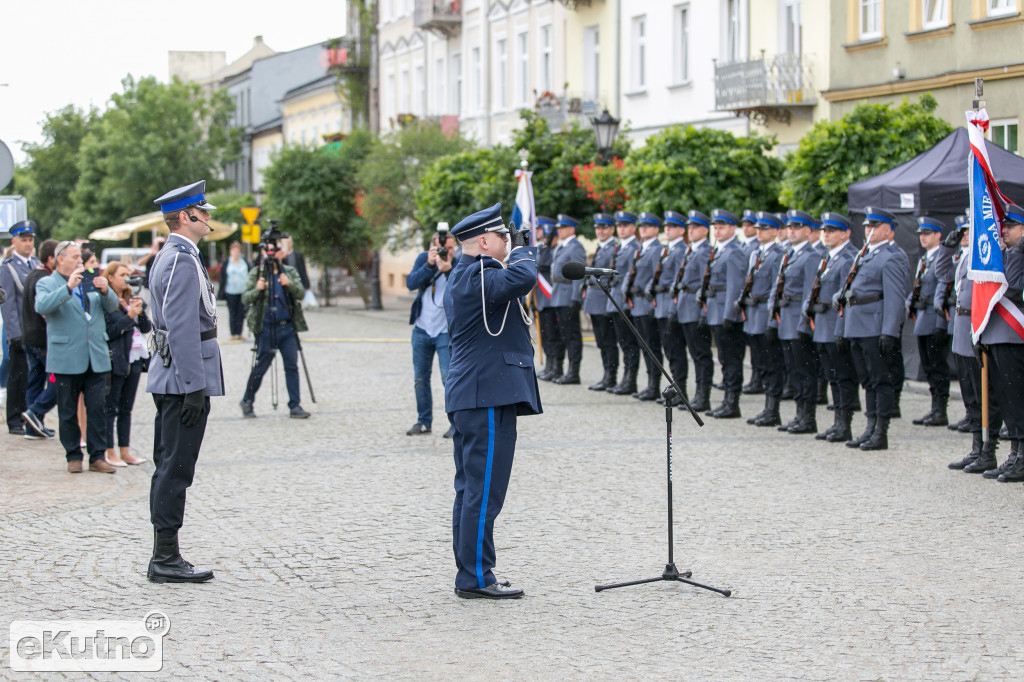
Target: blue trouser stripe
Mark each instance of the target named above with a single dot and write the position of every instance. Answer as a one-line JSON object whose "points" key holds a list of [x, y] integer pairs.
{"points": [[483, 500]]}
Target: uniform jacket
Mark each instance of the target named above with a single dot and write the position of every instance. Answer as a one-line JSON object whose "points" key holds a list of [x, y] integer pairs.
{"points": [[929, 318], [257, 300], [728, 273], [749, 247], [175, 286], [645, 269], [882, 271], [75, 342], [662, 290], [11, 307], [595, 302], [756, 306], [420, 279], [544, 258], [820, 248], [954, 269], [565, 291], [945, 273], [832, 280], [486, 370], [997, 330], [687, 308], [120, 334], [623, 263], [799, 279]]}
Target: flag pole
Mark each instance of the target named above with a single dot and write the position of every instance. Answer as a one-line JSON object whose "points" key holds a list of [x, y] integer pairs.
{"points": [[524, 164], [978, 104]]}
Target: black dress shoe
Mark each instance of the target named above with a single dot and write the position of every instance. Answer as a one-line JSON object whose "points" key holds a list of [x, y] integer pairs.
{"points": [[450, 433], [498, 590], [17, 431], [167, 566]]}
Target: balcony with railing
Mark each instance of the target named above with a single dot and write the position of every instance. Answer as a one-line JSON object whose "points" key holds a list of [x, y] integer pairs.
{"points": [[559, 111], [776, 88], [441, 17]]}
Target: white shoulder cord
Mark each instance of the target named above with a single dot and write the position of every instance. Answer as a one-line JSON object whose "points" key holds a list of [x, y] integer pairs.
{"points": [[204, 290], [483, 308]]}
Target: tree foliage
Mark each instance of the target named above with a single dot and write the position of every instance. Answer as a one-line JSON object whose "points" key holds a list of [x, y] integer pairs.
{"points": [[869, 140], [683, 168]]}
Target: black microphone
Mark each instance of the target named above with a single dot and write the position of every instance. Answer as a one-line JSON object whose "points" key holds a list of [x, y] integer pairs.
{"points": [[574, 270], [197, 220]]}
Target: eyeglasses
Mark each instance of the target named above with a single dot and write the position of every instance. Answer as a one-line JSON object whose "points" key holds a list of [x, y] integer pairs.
{"points": [[61, 247]]}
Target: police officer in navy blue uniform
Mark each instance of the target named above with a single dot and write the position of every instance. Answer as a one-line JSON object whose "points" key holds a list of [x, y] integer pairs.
{"points": [[930, 322], [835, 359], [762, 270], [629, 250], [491, 382], [641, 301], [550, 339], [728, 272], [872, 316], [567, 296], [689, 311], [595, 302], [13, 272], [673, 343]]}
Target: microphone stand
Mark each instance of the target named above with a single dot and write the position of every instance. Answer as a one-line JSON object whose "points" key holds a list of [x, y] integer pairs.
{"points": [[671, 394]]}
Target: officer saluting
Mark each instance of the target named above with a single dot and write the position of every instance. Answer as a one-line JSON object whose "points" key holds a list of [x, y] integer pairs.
{"points": [[184, 372], [491, 382]]}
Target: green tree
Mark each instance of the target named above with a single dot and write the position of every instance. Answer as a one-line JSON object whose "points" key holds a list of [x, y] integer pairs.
{"points": [[313, 193], [683, 168], [458, 185], [869, 140]]}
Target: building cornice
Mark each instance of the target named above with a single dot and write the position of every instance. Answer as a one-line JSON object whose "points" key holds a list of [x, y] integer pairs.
{"points": [[945, 80]]}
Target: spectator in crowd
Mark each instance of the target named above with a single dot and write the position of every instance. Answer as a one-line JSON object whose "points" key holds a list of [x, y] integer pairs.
{"points": [[142, 265], [296, 259], [40, 393], [234, 271], [128, 357], [77, 352], [13, 271], [91, 265]]}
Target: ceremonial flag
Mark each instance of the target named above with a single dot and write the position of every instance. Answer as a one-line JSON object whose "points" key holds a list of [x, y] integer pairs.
{"points": [[985, 257], [524, 215]]}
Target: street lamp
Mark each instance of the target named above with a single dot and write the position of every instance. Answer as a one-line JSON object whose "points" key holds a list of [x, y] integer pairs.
{"points": [[605, 129]]}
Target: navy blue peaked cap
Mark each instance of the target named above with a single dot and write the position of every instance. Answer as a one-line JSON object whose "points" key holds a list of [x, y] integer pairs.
{"points": [[487, 220], [185, 197]]}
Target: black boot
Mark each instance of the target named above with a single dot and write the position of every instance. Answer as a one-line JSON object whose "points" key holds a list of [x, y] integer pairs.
{"points": [[842, 427], [977, 440], [787, 391], [957, 426], [809, 422], [931, 413], [607, 381], [986, 459], [570, 377], [938, 416], [770, 415], [796, 418], [869, 429], [1015, 472], [653, 390], [896, 413], [545, 374], [836, 423], [730, 407], [167, 566], [1010, 463], [761, 415], [879, 439], [627, 385], [755, 387], [556, 370], [701, 398]]}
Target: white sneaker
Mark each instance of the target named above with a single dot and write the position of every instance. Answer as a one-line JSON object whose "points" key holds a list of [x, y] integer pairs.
{"points": [[3, 397]]}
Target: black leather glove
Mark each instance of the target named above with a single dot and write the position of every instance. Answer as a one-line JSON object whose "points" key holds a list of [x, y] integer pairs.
{"points": [[519, 238], [771, 334], [941, 335], [952, 240], [843, 345], [886, 344], [731, 326], [192, 408], [14, 344]]}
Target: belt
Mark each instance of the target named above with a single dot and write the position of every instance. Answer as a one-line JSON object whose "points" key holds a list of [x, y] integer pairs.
{"points": [[963, 312], [208, 334], [922, 304], [662, 289], [690, 290], [864, 299], [713, 288], [279, 323], [785, 300]]}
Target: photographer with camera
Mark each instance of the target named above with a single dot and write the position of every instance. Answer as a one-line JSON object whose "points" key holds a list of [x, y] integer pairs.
{"points": [[429, 276], [274, 293], [128, 357]]}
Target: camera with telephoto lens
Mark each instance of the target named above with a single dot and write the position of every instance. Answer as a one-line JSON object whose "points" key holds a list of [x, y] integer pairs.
{"points": [[136, 282], [442, 238]]}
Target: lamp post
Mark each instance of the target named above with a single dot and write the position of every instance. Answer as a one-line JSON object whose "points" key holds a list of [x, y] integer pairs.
{"points": [[606, 128]]}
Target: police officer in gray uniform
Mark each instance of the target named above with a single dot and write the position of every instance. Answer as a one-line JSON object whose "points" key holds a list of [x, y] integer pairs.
{"points": [[595, 302], [727, 268], [689, 311], [751, 245], [761, 273], [930, 322], [673, 343], [184, 371], [629, 249], [567, 296], [547, 318], [641, 301], [871, 317]]}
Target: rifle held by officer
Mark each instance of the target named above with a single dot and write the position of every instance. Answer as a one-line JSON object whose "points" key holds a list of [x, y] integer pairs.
{"points": [[841, 297]]}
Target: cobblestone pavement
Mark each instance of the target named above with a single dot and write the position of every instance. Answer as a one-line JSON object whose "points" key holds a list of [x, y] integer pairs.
{"points": [[332, 548]]}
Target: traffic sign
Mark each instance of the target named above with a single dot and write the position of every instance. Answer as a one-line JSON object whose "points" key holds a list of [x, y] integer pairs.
{"points": [[13, 209], [6, 165], [251, 215], [251, 231]]}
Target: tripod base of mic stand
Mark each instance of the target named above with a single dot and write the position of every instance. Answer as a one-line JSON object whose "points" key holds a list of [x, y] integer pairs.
{"points": [[671, 574]]}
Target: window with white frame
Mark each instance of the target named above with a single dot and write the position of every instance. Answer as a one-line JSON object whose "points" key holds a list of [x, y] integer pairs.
{"points": [[456, 105], [870, 19], [639, 65], [523, 72], [545, 59], [792, 29], [420, 106], [477, 80], [389, 97], [500, 96], [591, 62], [439, 103], [1003, 132], [732, 38], [934, 13], [681, 44], [998, 8], [404, 92]]}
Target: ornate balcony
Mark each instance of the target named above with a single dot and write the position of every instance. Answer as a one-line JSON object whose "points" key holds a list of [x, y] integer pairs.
{"points": [[777, 88], [441, 17]]}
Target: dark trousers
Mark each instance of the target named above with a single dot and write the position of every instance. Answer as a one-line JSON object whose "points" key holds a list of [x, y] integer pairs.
{"points": [[568, 318], [550, 339], [969, 371], [120, 401], [628, 343], [17, 385], [840, 374], [41, 393], [1007, 375], [604, 337], [935, 363], [875, 373], [770, 361], [175, 451], [236, 313], [281, 337], [897, 369], [673, 343], [485, 443], [698, 342], [799, 357], [731, 345], [93, 386], [757, 360], [648, 328]]}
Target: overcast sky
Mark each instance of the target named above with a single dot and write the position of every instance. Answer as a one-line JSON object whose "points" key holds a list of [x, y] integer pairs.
{"points": [[59, 52]]}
